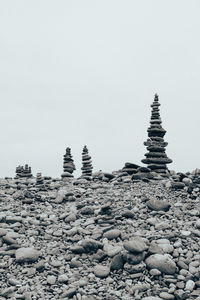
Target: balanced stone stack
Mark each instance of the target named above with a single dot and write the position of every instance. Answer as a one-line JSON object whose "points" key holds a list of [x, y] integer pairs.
{"points": [[23, 172], [87, 164], [39, 179], [156, 158], [40, 182], [68, 165]]}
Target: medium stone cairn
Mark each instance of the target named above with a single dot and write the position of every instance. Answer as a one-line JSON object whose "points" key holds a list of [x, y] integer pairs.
{"points": [[87, 164], [23, 172], [156, 159], [68, 165]]}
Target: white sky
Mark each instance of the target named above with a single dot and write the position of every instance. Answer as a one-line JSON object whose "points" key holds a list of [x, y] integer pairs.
{"points": [[85, 72]]}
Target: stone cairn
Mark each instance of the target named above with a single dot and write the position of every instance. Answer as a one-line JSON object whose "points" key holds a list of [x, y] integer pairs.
{"points": [[39, 179], [87, 164], [68, 165], [156, 159], [23, 172]]}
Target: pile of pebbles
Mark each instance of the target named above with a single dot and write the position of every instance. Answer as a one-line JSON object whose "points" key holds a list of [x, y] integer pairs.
{"points": [[99, 239]]}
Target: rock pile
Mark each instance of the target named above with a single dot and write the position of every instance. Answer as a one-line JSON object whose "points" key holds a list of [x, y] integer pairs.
{"points": [[23, 172], [87, 164], [68, 165], [156, 158], [99, 240]]}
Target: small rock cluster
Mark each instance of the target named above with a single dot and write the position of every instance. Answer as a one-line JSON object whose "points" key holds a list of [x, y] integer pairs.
{"points": [[118, 239]]}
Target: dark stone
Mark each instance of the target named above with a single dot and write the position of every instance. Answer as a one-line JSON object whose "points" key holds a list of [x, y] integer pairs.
{"points": [[117, 262]]}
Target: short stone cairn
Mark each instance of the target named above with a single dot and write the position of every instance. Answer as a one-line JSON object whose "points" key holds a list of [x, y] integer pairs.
{"points": [[68, 165], [87, 164]]}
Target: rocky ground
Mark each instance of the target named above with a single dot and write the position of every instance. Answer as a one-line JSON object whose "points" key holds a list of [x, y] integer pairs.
{"points": [[100, 239]]}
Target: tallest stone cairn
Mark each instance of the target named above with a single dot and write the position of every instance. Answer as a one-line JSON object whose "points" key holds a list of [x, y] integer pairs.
{"points": [[156, 159]]}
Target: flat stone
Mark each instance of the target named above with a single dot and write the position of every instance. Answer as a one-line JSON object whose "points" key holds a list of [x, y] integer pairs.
{"points": [[112, 234], [26, 255], [151, 298], [167, 296], [155, 204]]}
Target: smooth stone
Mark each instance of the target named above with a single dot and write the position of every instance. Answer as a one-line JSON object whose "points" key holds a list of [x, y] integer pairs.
{"points": [[167, 248], [13, 281], [185, 233], [151, 298], [63, 278], [155, 204], [112, 234], [161, 262], [154, 272], [190, 284], [26, 255], [135, 245], [112, 250], [155, 248], [128, 214], [51, 279], [3, 232], [101, 271], [167, 296]]}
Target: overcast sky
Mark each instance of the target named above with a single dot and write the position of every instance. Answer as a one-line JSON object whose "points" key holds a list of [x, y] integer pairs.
{"points": [[85, 72]]}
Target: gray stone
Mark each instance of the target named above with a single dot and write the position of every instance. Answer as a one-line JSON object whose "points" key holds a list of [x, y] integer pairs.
{"points": [[161, 262], [51, 279], [101, 271], [155, 204], [26, 255], [135, 245], [117, 262], [112, 234]]}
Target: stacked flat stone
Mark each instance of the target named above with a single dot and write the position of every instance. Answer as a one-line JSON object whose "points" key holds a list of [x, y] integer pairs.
{"points": [[130, 168], [39, 179], [87, 163], [23, 172], [68, 165], [156, 159]]}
